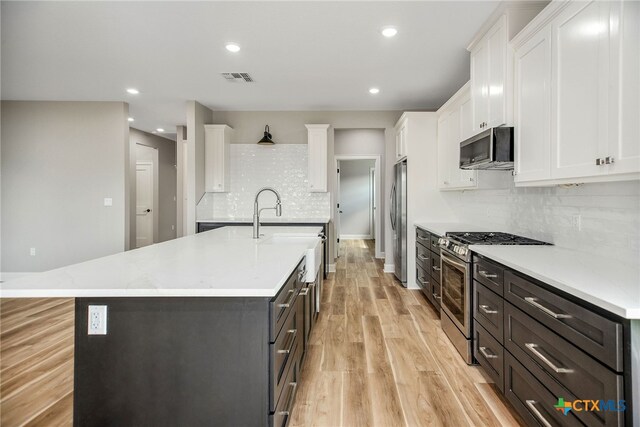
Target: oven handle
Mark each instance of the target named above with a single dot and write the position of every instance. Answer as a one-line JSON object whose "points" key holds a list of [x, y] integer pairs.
{"points": [[450, 260]]}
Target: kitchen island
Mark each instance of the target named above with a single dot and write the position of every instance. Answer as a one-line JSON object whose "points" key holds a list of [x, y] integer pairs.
{"points": [[202, 330]]}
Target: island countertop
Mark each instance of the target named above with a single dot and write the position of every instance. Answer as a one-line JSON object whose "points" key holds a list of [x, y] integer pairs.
{"points": [[226, 262]]}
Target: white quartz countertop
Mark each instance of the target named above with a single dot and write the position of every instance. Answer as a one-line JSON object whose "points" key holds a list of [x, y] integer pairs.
{"points": [[606, 283], [441, 228], [226, 262], [267, 220]]}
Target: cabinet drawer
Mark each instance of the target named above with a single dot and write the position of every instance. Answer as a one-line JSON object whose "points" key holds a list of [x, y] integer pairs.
{"points": [[548, 356], [424, 281], [488, 310], [434, 243], [435, 267], [423, 258], [283, 304], [283, 354], [531, 399], [436, 292], [282, 411], [489, 274], [595, 334], [423, 237], [490, 355]]}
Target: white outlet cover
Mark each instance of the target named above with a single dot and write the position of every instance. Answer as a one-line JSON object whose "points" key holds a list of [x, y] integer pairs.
{"points": [[97, 320], [108, 201], [32, 251]]}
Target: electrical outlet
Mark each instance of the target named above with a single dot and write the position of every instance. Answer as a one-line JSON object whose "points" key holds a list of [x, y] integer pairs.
{"points": [[108, 201], [97, 324], [173, 227], [32, 251], [576, 222]]}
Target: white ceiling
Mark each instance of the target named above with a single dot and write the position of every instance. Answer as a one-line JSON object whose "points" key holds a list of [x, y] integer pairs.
{"points": [[307, 55]]}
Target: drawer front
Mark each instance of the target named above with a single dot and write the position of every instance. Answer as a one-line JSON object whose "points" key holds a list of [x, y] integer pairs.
{"points": [[282, 305], [488, 310], [423, 237], [424, 281], [423, 258], [531, 399], [436, 292], [434, 243], [489, 274], [283, 354], [595, 334], [435, 267], [490, 355], [282, 412], [547, 355]]}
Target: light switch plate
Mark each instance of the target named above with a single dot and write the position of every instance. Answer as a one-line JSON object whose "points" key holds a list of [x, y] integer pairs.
{"points": [[97, 322], [108, 201]]}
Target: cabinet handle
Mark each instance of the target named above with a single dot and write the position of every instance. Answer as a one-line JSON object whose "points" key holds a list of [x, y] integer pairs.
{"points": [[421, 280], [533, 349], [293, 385], [602, 162], [435, 268], [288, 350], [422, 257], [422, 238], [487, 275], [288, 303], [437, 296], [608, 160], [486, 354], [487, 309], [304, 292], [531, 404], [534, 302]]}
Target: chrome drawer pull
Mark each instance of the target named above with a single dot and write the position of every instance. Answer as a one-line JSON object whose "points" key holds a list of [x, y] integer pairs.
{"points": [[484, 352], [487, 309], [288, 303], [422, 257], [534, 302], [304, 292], [532, 348], [435, 268], [421, 280], [531, 404], [288, 350], [487, 275], [438, 297], [422, 238], [291, 396]]}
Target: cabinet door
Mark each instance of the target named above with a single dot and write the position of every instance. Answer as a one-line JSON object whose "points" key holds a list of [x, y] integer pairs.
{"points": [[624, 145], [533, 108], [216, 153], [581, 59], [401, 142], [443, 151], [317, 168], [497, 52], [466, 120], [459, 178], [479, 85]]}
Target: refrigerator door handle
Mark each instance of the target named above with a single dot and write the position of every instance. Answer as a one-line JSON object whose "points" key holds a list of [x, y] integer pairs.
{"points": [[392, 203]]}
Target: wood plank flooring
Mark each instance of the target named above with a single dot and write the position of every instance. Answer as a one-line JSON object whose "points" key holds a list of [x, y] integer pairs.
{"points": [[36, 362], [379, 357]]}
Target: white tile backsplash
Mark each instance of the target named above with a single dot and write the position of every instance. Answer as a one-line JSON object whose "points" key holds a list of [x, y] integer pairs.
{"points": [[609, 215], [283, 167]]}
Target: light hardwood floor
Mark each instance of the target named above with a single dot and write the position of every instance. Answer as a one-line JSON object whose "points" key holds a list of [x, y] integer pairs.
{"points": [[36, 362], [378, 357]]}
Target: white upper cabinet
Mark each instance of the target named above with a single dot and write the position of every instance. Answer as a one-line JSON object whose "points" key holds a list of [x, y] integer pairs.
{"points": [[317, 156], [401, 139], [217, 140], [577, 92]]}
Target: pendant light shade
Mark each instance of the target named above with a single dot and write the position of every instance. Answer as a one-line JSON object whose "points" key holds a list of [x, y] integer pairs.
{"points": [[266, 139]]}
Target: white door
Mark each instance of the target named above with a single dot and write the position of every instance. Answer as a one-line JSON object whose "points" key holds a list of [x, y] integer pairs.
{"points": [[372, 202], [338, 211], [144, 204]]}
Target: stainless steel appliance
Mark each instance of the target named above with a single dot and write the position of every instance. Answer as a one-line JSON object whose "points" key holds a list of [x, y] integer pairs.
{"points": [[398, 213], [457, 279], [490, 149]]}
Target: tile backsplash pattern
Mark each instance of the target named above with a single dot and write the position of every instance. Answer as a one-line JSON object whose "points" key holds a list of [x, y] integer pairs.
{"points": [[609, 215], [283, 167]]}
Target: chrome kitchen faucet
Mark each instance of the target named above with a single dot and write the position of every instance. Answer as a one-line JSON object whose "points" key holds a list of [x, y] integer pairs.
{"points": [[256, 211]]}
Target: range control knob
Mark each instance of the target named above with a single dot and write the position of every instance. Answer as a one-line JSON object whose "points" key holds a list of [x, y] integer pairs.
{"points": [[463, 251]]}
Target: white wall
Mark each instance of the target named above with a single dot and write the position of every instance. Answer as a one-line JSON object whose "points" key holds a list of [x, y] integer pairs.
{"points": [[253, 166], [59, 161], [355, 198]]}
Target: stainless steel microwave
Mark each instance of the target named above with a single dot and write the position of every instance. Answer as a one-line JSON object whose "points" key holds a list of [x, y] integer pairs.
{"points": [[491, 149]]}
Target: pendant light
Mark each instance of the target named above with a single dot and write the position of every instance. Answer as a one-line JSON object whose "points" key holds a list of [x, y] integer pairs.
{"points": [[266, 139]]}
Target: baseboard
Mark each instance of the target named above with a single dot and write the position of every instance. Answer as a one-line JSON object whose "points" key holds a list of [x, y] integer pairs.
{"points": [[331, 268], [380, 255], [355, 237], [389, 268], [5, 277]]}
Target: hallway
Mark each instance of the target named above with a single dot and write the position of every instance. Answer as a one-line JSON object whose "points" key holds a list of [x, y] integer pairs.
{"points": [[378, 357]]}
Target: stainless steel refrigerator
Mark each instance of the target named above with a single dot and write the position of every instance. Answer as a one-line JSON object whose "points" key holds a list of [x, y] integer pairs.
{"points": [[398, 213]]}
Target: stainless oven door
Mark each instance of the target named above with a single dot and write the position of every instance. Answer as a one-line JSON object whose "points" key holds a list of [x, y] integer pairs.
{"points": [[456, 291]]}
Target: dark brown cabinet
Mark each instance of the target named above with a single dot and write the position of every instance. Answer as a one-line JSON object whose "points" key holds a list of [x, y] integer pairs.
{"points": [[428, 266]]}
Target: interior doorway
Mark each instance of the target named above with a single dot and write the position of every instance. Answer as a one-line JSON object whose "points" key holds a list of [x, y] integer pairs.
{"points": [[357, 196], [146, 195]]}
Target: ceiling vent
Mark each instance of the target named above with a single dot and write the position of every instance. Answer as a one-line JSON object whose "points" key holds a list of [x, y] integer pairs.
{"points": [[237, 77]]}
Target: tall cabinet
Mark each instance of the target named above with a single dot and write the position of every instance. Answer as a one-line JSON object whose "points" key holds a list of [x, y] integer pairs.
{"points": [[217, 140], [318, 135]]}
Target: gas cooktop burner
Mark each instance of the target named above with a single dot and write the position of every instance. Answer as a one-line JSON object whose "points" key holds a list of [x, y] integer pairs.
{"points": [[480, 238]]}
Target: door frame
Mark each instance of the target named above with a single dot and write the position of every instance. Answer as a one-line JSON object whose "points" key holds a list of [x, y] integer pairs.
{"points": [[155, 165], [376, 202]]}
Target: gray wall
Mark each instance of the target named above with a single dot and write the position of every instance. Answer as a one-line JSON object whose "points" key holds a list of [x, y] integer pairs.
{"points": [[287, 127], [59, 161], [355, 198], [166, 191]]}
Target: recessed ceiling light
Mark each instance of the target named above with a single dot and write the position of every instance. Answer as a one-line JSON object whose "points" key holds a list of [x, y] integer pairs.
{"points": [[374, 90], [160, 130], [232, 47], [133, 91], [389, 31], [130, 119]]}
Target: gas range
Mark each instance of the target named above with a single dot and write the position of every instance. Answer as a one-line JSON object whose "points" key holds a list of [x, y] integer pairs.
{"points": [[457, 243]]}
